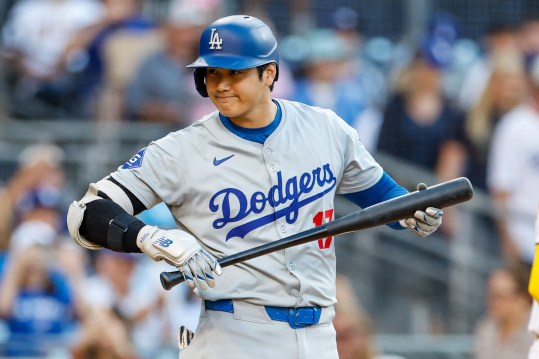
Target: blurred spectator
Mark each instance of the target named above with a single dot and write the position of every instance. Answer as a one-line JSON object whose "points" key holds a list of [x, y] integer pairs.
{"points": [[326, 80], [419, 126], [322, 82], [419, 123], [437, 45], [502, 333], [37, 298], [95, 50], [37, 303], [130, 285], [528, 36], [505, 88], [36, 184], [371, 80], [160, 88], [513, 174], [499, 38], [353, 326], [35, 38], [104, 335]]}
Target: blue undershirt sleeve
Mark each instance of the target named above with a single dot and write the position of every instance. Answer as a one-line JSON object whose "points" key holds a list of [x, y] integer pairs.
{"points": [[386, 188]]}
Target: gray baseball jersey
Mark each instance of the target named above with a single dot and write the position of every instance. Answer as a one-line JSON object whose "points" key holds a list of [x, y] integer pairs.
{"points": [[234, 194]]}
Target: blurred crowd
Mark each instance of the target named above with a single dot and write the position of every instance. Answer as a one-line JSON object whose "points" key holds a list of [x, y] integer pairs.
{"points": [[451, 106], [60, 301]]}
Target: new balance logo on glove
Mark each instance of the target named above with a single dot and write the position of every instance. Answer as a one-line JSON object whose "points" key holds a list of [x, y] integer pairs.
{"points": [[163, 242]]}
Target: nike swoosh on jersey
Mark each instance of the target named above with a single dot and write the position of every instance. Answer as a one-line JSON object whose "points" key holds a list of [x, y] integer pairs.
{"points": [[217, 162]]}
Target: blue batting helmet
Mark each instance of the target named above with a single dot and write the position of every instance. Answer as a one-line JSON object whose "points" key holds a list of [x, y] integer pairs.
{"points": [[234, 42]]}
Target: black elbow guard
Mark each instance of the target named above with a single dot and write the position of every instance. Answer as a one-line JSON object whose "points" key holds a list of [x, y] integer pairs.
{"points": [[122, 233], [107, 224]]}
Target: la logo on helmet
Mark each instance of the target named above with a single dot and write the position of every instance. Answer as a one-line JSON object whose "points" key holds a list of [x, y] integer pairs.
{"points": [[215, 40]]}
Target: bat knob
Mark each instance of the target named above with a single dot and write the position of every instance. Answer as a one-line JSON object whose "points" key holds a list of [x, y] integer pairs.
{"points": [[421, 186], [170, 279]]}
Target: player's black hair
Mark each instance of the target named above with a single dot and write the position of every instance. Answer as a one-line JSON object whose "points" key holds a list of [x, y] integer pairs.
{"points": [[261, 69]]}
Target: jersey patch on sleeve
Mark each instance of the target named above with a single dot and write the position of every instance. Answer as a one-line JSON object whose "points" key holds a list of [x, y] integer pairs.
{"points": [[135, 161]]}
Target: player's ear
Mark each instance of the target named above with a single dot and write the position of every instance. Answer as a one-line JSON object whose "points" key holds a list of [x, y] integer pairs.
{"points": [[270, 73]]}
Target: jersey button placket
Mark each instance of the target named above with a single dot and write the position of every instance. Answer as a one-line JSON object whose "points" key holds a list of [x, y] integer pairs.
{"points": [[273, 168]]}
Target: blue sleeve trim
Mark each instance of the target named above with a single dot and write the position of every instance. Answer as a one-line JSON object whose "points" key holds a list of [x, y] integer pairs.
{"points": [[386, 188]]}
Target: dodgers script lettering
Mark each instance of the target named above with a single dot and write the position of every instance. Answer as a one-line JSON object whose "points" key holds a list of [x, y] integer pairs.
{"points": [[287, 197]]}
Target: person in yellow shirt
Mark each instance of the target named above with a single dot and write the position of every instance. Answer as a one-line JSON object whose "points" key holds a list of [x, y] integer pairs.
{"points": [[533, 288]]}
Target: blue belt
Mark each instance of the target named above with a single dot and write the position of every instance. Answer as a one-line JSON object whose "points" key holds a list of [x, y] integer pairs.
{"points": [[296, 317]]}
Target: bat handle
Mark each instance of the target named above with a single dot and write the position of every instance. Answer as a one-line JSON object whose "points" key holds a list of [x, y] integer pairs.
{"points": [[170, 279]]}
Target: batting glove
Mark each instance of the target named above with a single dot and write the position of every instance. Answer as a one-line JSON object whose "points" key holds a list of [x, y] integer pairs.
{"points": [[180, 249], [185, 336], [424, 223]]}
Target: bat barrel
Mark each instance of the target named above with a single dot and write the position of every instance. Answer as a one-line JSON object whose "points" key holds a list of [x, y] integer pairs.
{"points": [[442, 195]]}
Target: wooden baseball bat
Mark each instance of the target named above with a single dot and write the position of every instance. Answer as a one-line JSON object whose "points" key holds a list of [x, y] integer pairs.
{"points": [[441, 195]]}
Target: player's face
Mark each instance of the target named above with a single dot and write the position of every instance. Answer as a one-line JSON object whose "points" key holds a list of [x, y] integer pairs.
{"points": [[241, 95]]}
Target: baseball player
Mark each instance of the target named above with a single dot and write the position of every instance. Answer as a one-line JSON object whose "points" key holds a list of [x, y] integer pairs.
{"points": [[255, 170]]}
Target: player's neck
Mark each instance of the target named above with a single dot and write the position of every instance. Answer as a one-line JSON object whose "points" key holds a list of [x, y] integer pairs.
{"points": [[258, 117]]}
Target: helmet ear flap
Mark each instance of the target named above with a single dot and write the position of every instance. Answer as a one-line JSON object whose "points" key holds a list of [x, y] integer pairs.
{"points": [[200, 81]]}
